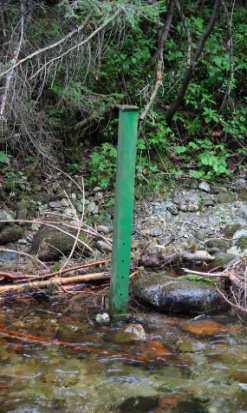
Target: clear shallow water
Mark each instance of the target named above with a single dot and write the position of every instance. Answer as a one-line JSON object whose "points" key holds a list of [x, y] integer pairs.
{"points": [[178, 369]]}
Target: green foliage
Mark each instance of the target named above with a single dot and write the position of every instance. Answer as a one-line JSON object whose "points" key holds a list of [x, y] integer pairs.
{"points": [[208, 131], [102, 166], [12, 180], [3, 157]]}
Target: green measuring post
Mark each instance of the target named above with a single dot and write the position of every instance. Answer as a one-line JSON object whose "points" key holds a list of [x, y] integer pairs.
{"points": [[124, 203]]}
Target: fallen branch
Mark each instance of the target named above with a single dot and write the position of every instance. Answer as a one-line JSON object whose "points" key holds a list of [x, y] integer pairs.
{"points": [[32, 277], [57, 281]]}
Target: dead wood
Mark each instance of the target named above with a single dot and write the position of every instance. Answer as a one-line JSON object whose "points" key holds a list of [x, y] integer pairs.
{"points": [[56, 281]]}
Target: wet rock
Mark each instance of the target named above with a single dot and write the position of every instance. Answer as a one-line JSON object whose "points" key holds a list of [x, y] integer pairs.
{"points": [[130, 333], [49, 244], [154, 349], [186, 345], [8, 256], [176, 296], [11, 233], [102, 318], [204, 327], [140, 404], [169, 403], [204, 186]]}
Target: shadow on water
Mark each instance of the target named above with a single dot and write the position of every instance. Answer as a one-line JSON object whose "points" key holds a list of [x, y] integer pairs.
{"points": [[159, 404]]}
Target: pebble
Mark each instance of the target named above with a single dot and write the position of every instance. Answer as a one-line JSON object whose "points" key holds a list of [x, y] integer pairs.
{"points": [[92, 208], [102, 318], [104, 229], [103, 246], [204, 186], [55, 204]]}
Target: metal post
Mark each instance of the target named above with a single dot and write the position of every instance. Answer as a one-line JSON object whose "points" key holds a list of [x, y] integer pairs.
{"points": [[124, 200]]}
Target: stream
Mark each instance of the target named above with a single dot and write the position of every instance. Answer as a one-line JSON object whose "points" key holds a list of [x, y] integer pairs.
{"points": [[184, 366]]}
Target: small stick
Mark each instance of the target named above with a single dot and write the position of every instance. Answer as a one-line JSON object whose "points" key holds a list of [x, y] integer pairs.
{"points": [[207, 274]]}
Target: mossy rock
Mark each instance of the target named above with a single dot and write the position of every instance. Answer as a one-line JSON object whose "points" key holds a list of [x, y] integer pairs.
{"points": [[222, 260], [243, 194], [242, 243], [230, 230], [50, 244], [217, 244], [226, 197], [10, 233]]}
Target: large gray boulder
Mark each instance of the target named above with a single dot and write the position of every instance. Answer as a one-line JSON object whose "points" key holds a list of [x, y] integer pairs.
{"points": [[178, 296]]}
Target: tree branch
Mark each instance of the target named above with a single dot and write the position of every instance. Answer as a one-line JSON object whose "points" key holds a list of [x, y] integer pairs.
{"points": [[10, 75], [190, 69], [44, 49], [160, 63], [80, 44]]}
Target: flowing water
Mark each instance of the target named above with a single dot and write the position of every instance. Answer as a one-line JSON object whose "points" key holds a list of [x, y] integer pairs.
{"points": [[185, 366]]}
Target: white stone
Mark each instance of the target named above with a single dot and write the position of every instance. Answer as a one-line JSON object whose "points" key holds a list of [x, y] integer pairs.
{"points": [[204, 186]]}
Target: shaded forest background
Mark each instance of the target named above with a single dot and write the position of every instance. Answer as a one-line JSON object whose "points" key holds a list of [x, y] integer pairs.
{"points": [[66, 65]]}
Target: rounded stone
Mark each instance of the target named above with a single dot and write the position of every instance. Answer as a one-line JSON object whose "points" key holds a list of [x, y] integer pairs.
{"points": [[176, 296], [130, 333]]}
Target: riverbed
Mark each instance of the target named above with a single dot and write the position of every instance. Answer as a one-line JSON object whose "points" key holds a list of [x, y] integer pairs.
{"points": [[185, 365]]}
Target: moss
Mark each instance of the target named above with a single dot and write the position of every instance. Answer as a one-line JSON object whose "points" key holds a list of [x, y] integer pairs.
{"points": [[242, 243], [197, 278]]}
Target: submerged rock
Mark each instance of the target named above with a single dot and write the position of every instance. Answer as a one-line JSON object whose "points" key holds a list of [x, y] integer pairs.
{"points": [[177, 296], [130, 333], [204, 327]]}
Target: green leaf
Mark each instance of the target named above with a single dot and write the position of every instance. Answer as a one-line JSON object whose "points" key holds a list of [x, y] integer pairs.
{"points": [[3, 157], [180, 149]]}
